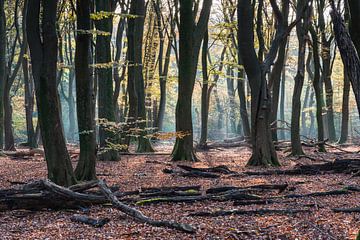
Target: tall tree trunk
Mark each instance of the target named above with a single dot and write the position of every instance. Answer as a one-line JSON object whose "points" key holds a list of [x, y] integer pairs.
{"points": [[301, 31], [354, 27], [136, 86], [318, 90], [348, 51], [231, 98], [282, 103], [106, 110], [191, 35], [204, 92], [8, 110], [345, 110], [242, 98], [2, 68], [263, 150], [275, 76], [85, 170], [43, 52]]}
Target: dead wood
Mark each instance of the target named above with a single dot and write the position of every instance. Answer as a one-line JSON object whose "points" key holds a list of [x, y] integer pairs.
{"points": [[338, 166], [248, 212], [191, 173], [218, 169], [141, 217], [90, 221], [347, 210], [280, 187]]}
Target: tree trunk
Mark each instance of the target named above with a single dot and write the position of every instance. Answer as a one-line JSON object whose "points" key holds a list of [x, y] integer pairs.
{"points": [[191, 35], [263, 151], [302, 31], [2, 69], [85, 170], [9, 133], [136, 86], [242, 98], [44, 63], [354, 28], [345, 110], [282, 103], [204, 92], [106, 110], [318, 90], [231, 98]]}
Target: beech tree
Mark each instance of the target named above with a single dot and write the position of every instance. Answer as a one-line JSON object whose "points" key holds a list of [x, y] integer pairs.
{"points": [[106, 108], [85, 97], [43, 47], [2, 69], [191, 34], [136, 88]]}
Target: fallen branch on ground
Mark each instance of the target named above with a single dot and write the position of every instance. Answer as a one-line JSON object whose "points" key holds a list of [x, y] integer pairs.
{"points": [[90, 221], [247, 212]]}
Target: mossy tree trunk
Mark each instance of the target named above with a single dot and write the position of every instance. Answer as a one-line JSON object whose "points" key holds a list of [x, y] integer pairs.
{"points": [[85, 169], [43, 53]]}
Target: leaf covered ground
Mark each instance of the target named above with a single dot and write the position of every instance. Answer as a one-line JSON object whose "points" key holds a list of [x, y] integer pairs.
{"points": [[136, 172]]}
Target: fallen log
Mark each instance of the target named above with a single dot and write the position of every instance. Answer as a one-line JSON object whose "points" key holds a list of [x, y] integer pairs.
{"points": [[247, 212], [141, 217], [98, 223], [191, 173], [315, 194], [338, 166], [50, 195], [227, 144], [280, 187], [347, 210], [218, 169]]}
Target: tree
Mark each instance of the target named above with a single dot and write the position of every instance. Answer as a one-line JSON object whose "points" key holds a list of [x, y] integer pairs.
{"points": [[354, 27], [302, 28], [85, 169], [326, 71], [2, 68], [136, 87], [275, 76], [106, 108], [191, 35], [43, 53], [29, 89], [263, 150]]}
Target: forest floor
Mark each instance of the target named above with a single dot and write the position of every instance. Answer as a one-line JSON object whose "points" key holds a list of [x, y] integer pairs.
{"points": [[135, 172]]}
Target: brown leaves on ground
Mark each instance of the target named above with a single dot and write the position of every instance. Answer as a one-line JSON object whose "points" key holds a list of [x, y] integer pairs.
{"points": [[136, 172]]}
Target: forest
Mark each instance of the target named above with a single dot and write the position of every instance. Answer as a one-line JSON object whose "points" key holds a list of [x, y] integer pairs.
{"points": [[180, 119]]}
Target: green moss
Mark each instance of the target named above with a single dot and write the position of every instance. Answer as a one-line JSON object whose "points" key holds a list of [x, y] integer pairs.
{"points": [[358, 236], [192, 191], [149, 201]]}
